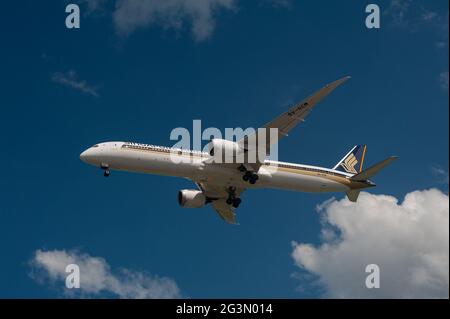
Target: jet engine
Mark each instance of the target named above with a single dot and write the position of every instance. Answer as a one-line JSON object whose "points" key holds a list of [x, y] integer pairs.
{"points": [[191, 198]]}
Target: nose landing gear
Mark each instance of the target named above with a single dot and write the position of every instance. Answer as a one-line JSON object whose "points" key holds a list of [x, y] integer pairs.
{"points": [[105, 168]]}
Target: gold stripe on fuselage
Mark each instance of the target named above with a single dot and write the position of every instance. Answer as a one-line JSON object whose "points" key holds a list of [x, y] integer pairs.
{"points": [[339, 179], [161, 151], [297, 170]]}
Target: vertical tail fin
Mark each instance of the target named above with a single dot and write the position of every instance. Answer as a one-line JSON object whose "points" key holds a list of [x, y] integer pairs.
{"points": [[352, 162]]}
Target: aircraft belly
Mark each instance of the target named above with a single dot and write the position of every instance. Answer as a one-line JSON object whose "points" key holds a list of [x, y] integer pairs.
{"points": [[217, 174], [304, 182], [152, 163]]}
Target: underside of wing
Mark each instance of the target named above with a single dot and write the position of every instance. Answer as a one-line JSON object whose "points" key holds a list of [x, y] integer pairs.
{"points": [[218, 195], [225, 211]]}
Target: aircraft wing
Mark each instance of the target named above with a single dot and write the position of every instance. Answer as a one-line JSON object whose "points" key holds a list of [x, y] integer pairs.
{"points": [[225, 211], [219, 194], [296, 114]]}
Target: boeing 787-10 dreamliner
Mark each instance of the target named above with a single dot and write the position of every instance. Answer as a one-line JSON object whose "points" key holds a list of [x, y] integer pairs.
{"points": [[221, 184]]}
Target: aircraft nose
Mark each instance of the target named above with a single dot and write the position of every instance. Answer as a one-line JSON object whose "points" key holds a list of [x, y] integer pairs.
{"points": [[84, 156]]}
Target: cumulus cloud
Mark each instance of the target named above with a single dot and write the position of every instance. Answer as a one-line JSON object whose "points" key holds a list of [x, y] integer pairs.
{"points": [[409, 241], [198, 15], [131, 15], [97, 278], [70, 79]]}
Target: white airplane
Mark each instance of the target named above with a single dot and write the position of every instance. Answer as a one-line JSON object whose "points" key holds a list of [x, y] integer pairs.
{"points": [[222, 184]]}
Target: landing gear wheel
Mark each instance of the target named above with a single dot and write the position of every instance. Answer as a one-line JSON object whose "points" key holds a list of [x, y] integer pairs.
{"points": [[247, 176], [105, 168], [232, 199], [252, 178], [231, 189], [236, 202]]}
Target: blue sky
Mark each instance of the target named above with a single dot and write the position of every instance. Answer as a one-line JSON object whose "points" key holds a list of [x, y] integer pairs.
{"points": [[64, 90]]}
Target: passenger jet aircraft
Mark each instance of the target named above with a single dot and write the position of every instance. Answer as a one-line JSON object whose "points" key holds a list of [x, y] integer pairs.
{"points": [[221, 184]]}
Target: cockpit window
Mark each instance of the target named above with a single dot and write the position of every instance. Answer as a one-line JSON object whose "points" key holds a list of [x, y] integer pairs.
{"points": [[96, 145]]}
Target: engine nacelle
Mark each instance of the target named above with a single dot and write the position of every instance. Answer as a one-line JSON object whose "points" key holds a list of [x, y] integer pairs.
{"points": [[191, 198], [224, 149]]}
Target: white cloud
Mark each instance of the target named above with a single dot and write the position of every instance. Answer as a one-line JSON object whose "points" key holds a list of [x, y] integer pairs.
{"points": [[398, 11], [96, 277], [443, 80], [93, 5], [441, 44], [277, 3], [429, 15], [412, 15], [440, 173], [199, 15], [409, 241], [131, 15], [71, 80]]}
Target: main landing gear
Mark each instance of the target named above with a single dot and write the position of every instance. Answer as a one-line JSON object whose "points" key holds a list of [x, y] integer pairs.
{"points": [[248, 176], [105, 168], [232, 199]]}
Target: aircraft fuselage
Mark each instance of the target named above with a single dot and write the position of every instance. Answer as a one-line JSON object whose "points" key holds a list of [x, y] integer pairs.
{"points": [[143, 158]]}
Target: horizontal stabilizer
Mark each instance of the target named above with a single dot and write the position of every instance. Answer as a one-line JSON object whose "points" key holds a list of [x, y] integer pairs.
{"points": [[371, 171]]}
